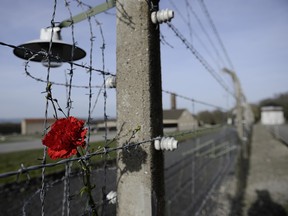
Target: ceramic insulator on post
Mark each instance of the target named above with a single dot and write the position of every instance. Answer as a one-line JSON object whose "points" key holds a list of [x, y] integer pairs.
{"points": [[166, 143], [110, 82], [111, 197], [162, 16]]}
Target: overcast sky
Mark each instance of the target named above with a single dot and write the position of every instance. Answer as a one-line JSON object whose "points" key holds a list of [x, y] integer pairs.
{"points": [[254, 34]]}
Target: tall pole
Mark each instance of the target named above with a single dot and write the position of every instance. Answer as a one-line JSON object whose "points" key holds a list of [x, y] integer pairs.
{"points": [[239, 97], [140, 175]]}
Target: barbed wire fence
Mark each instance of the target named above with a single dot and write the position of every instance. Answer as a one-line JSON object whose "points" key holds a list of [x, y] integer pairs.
{"points": [[191, 174]]}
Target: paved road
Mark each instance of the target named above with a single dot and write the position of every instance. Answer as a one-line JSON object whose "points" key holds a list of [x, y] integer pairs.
{"points": [[37, 144]]}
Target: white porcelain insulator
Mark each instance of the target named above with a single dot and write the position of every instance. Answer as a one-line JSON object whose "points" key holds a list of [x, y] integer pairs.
{"points": [[110, 82], [166, 143], [162, 16], [111, 197], [47, 33]]}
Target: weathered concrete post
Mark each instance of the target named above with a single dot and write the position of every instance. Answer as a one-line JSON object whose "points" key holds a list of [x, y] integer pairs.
{"points": [[140, 176], [239, 102]]}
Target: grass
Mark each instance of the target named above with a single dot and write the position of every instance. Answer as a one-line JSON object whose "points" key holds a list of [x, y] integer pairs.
{"points": [[12, 161]]}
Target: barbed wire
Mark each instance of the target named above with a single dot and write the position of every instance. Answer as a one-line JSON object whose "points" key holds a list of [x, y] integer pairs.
{"points": [[59, 84], [205, 32], [68, 165], [92, 38], [44, 157], [206, 12], [187, 22], [104, 96], [101, 151], [80, 86], [215, 183], [46, 55], [71, 70], [197, 170], [200, 58], [194, 100]]}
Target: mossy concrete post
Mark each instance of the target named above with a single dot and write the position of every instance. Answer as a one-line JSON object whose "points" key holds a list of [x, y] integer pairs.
{"points": [[140, 176]]}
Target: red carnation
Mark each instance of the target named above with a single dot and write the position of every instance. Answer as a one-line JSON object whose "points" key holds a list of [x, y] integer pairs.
{"points": [[65, 136]]}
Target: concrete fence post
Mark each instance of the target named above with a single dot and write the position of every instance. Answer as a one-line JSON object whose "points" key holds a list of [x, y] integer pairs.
{"points": [[140, 175]]}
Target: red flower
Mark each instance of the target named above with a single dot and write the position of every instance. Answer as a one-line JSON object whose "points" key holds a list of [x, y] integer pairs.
{"points": [[65, 136]]}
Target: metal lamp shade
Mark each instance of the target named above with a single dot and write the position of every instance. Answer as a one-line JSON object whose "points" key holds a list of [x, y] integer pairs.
{"points": [[60, 51]]}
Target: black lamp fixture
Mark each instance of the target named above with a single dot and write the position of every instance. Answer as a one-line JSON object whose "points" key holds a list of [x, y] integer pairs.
{"points": [[60, 51]]}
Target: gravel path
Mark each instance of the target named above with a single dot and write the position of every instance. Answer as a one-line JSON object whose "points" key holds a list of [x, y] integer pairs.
{"points": [[267, 186]]}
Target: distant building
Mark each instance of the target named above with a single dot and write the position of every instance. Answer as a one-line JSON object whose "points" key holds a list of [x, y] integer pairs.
{"points": [[34, 125], [100, 125], [272, 115], [173, 120], [179, 120]]}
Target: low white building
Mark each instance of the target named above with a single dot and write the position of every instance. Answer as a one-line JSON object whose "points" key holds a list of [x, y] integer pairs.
{"points": [[34, 125], [272, 115]]}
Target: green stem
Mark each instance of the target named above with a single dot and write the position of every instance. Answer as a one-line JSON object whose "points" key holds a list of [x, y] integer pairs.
{"points": [[87, 184]]}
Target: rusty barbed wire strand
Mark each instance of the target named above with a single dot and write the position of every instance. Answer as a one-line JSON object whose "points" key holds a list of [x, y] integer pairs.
{"points": [[92, 38], [71, 70], [203, 62]]}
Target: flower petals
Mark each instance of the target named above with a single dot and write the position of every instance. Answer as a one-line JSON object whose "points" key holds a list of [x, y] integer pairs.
{"points": [[65, 136]]}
